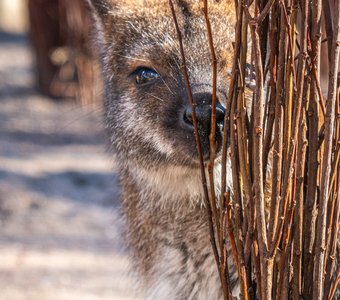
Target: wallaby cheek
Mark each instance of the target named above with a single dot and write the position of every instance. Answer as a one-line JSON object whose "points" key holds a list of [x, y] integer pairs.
{"points": [[134, 123]]}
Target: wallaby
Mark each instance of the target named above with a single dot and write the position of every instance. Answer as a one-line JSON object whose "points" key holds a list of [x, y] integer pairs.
{"points": [[149, 121]]}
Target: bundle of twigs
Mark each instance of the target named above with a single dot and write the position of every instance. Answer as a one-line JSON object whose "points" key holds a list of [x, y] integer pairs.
{"points": [[281, 218]]}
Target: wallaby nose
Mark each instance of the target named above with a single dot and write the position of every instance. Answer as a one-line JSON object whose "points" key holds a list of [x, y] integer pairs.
{"points": [[203, 113]]}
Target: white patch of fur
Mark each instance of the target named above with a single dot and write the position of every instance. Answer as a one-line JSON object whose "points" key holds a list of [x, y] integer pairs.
{"points": [[168, 283], [175, 184], [172, 183], [139, 126], [159, 290]]}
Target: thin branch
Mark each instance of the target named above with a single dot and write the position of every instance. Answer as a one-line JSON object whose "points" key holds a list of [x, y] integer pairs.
{"points": [[313, 114], [198, 144], [213, 119], [258, 169], [333, 232], [299, 197], [326, 159], [335, 285], [278, 124]]}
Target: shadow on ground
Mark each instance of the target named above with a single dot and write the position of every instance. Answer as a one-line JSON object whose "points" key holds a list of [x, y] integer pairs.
{"points": [[59, 225]]}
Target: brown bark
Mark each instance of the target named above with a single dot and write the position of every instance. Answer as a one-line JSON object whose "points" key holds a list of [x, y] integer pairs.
{"points": [[326, 160]]}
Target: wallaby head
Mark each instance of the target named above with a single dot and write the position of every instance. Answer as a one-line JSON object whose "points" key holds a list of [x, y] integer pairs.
{"points": [[147, 108], [149, 120]]}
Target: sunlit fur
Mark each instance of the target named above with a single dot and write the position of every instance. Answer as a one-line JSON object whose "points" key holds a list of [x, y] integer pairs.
{"points": [[162, 196]]}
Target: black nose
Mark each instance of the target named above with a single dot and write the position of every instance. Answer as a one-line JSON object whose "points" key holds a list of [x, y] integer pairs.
{"points": [[203, 113]]}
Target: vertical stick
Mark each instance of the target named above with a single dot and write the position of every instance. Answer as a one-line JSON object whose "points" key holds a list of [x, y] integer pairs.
{"points": [[213, 120], [216, 220], [266, 264], [278, 125], [299, 196], [198, 144], [313, 163], [237, 197], [237, 244], [326, 159], [273, 79], [289, 170], [333, 238], [335, 285]]}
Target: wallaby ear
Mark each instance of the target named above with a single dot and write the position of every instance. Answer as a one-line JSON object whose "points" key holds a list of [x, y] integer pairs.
{"points": [[101, 7]]}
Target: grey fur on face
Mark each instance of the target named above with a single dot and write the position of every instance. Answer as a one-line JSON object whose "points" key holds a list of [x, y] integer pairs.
{"points": [[150, 131]]}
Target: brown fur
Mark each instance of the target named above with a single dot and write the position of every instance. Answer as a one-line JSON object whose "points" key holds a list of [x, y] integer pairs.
{"points": [[162, 200]]}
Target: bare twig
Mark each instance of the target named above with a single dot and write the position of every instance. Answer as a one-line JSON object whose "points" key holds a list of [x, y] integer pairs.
{"points": [[213, 119], [277, 152], [312, 158], [326, 160], [266, 264], [198, 144], [332, 232], [335, 285], [299, 197]]}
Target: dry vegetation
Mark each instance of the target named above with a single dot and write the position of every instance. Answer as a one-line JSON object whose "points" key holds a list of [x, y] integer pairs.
{"points": [[283, 235]]}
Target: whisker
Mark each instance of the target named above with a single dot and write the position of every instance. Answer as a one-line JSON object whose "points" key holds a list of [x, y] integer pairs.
{"points": [[158, 98], [82, 115], [131, 57], [163, 81]]}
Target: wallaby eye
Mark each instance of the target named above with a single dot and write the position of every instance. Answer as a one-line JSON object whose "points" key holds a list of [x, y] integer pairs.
{"points": [[145, 75]]}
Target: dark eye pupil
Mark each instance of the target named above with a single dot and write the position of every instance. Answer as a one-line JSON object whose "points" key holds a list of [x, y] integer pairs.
{"points": [[145, 75]]}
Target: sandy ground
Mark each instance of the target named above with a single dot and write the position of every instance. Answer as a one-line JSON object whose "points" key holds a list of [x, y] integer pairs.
{"points": [[58, 194]]}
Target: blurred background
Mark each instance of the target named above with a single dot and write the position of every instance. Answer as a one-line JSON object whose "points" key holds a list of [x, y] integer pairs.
{"points": [[59, 231]]}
